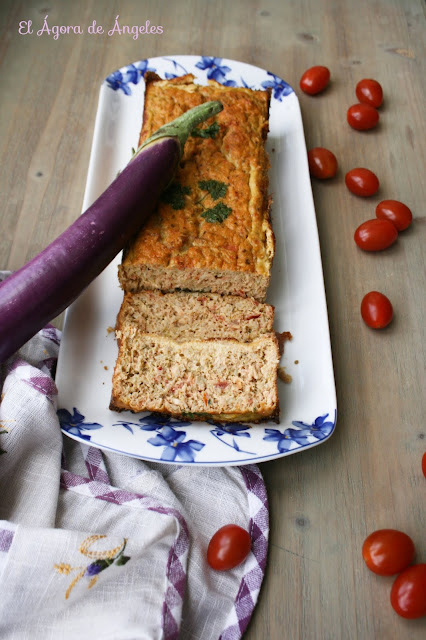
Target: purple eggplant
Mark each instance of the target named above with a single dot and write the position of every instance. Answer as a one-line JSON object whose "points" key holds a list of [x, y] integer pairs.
{"points": [[50, 282]]}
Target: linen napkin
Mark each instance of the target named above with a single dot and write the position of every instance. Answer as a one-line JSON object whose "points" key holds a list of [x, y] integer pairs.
{"points": [[100, 545]]}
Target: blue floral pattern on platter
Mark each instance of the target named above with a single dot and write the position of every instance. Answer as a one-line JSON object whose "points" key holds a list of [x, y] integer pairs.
{"points": [[176, 448], [279, 88], [216, 70], [302, 435], [213, 67], [74, 424], [122, 78], [178, 70]]}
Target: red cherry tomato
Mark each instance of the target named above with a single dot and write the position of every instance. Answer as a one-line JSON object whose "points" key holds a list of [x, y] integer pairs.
{"points": [[362, 117], [424, 464], [388, 551], [315, 80], [370, 92], [362, 182], [377, 313], [322, 163], [375, 235], [397, 212], [408, 593], [229, 546]]}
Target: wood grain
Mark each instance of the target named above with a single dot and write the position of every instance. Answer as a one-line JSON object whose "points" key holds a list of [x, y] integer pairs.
{"points": [[326, 500]]}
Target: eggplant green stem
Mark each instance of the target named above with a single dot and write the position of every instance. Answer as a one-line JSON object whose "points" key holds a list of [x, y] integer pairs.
{"points": [[183, 125]]}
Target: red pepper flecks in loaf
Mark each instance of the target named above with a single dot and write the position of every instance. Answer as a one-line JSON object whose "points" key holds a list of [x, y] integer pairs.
{"points": [[188, 315], [223, 380], [202, 354]]}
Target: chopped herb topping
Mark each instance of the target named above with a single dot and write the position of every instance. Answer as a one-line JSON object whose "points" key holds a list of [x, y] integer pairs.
{"points": [[175, 195], [215, 188], [218, 213], [208, 132]]}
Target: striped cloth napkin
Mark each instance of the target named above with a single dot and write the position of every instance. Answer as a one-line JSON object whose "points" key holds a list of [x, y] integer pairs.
{"points": [[99, 545]]}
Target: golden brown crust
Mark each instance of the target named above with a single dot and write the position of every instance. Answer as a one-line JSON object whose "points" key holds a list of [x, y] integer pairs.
{"points": [[182, 240]]}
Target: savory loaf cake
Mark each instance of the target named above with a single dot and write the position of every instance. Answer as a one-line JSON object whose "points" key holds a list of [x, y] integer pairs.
{"points": [[211, 231], [186, 315], [222, 380]]}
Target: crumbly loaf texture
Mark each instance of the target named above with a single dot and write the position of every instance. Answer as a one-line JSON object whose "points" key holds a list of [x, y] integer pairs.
{"points": [[223, 380], [181, 249], [188, 316]]}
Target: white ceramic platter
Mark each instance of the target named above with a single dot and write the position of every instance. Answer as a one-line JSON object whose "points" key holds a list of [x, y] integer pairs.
{"points": [[88, 349]]}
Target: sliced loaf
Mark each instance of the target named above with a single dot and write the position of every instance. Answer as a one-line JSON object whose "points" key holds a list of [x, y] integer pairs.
{"points": [[185, 315], [223, 380]]}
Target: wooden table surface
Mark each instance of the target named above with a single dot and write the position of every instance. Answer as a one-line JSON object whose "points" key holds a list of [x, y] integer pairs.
{"points": [[324, 501]]}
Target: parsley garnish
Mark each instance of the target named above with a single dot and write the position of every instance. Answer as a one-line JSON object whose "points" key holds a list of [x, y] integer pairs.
{"points": [[208, 132], [218, 213], [175, 195], [215, 188]]}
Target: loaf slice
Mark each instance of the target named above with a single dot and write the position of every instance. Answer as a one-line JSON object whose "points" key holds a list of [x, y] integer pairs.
{"points": [[211, 232], [188, 316], [222, 380]]}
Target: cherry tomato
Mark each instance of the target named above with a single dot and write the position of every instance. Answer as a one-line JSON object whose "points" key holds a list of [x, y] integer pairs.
{"points": [[375, 235], [228, 547], [397, 212], [424, 464], [362, 182], [315, 80], [408, 593], [377, 313], [370, 92], [322, 163], [362, 116], [388, 551]]}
